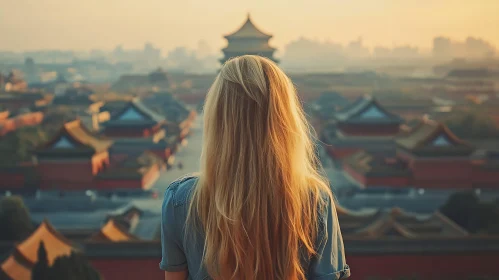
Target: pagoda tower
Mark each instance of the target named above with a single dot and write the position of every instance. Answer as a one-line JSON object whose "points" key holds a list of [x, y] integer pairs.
{"points": [[248, 39]]}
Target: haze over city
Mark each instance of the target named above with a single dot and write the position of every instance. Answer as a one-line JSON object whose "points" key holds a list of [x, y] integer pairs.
{"points": [[102, 106], [94, 24]]}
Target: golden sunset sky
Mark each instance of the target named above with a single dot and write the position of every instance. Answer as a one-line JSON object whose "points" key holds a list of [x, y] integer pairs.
{"points": [[83, 25]]}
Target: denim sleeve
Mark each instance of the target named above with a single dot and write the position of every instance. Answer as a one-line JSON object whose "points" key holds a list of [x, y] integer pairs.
{"points": [[173, 257], [329, 263]]}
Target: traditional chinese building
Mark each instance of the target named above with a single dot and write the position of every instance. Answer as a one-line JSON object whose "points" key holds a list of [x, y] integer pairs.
{"points": [[248, 39], [362, 125], [134, 120], [427, 156], [19, 264], [135, 128], [72, 158]]}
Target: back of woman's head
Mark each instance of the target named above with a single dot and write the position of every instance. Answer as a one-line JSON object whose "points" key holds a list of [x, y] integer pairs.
{"points": [[259, 188]]}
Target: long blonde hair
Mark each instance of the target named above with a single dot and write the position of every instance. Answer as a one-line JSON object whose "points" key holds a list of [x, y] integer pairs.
{"points": [[259, 189]]}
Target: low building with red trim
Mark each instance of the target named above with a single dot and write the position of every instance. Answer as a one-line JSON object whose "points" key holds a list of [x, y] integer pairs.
{"points": [[427, 156], [135, 129], [362, 125], [72, 158]]}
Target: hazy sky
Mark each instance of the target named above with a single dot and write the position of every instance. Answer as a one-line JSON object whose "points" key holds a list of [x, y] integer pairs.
{"points": [[87, 24]]}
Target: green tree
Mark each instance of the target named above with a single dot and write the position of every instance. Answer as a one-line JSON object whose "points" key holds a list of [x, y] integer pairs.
{"points": [[74, 267], [466, 209], [41, 268], [18, 145], [15, 220]]}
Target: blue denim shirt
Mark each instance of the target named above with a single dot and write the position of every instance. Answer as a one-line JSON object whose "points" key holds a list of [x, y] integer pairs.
{"points": [[181, 253]]}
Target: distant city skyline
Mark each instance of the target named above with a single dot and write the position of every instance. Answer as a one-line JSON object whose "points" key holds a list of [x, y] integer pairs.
{"points": [[56, 24]]}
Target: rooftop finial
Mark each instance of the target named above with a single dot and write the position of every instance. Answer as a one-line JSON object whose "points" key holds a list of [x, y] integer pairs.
{"points": [[249, 15]]}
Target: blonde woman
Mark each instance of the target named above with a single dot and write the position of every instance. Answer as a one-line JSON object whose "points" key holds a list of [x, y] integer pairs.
{"points": [[259, 208]]}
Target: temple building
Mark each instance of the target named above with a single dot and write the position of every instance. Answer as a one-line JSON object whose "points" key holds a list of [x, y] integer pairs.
{"points": [[427, 156], [19, 264], [248, 39], [361, 125], [135, 120], [72, 158], [135, 128]]}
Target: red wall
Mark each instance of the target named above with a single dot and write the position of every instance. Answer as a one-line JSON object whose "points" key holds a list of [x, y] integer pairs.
{"points": [[129, 269], [11, 181], [377, 181], [363, 267], [139, 183], [445, 173], [71, 174], [443, 267], [75, 174], [339, 153], [108, 184]]}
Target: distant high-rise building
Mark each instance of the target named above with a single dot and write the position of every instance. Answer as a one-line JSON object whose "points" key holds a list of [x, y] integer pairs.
{"points": [[248, 39]]}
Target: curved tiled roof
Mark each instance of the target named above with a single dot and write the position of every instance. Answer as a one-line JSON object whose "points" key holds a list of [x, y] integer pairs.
{"points": [[80, 137], [55, 244], [15, 269], [397, 222], [18, 266], [113, 232], [149, 116], [354, 112], [420, 140], [248, 30]]}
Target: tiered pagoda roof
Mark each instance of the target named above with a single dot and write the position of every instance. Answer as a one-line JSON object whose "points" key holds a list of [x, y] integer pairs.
{"points": [[19, 264], [366, 110], [74, 139], [248, 39], [248, 30], [397, 223], [431, 138], [135, 113], [113, 232]]}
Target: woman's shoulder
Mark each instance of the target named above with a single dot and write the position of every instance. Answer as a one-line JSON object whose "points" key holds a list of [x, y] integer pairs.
{"points": [[180, 190]]}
